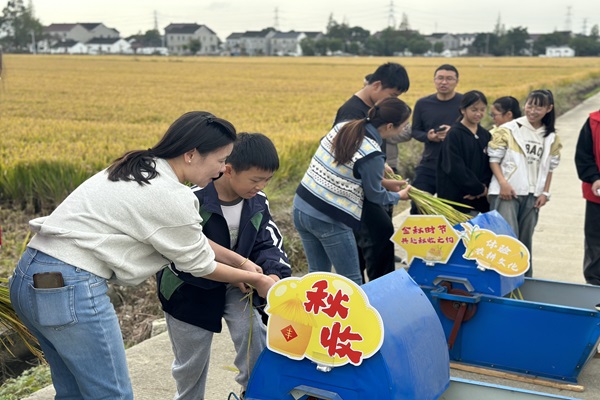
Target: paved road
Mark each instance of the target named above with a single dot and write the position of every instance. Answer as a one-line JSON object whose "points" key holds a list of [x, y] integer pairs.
{"points": [[558, 241], [557, 255]]}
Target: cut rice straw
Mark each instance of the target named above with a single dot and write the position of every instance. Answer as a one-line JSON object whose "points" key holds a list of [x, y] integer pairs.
{"points": [[430, 205]]}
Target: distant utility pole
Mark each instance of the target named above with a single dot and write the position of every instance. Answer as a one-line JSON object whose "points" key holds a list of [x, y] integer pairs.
{"points": [[391, 16], [568, 20], [276, 20], [155, 21], [584, 30]]}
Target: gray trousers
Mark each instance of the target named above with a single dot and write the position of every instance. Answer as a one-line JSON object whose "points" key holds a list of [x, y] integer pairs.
{"points": [[522, 216], [192, 344]]}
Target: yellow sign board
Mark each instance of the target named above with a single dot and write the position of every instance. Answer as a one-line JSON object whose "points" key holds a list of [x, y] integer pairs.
{"points": [[324, 317], [428, 237], [501, 253]]}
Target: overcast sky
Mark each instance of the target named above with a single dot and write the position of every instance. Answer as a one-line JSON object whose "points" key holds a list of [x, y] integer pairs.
{"points": [[226, 16]]}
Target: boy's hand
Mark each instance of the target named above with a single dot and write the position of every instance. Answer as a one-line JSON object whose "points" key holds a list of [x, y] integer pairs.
{"points": [[243, 287], [263, 285], [250, 266]]}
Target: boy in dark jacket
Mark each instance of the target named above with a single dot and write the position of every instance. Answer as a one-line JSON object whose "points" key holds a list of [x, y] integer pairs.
{"points": [[235, 214]]}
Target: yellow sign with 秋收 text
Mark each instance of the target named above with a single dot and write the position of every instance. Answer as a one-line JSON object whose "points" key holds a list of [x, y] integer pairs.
{"points": [[322, 316]]}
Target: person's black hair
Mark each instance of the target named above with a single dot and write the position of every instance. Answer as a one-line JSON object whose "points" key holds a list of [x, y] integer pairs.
{"points": [[198, 130], [253, 150], [390, 110], [391, 75], [446, 67], [368, 77], [544, 98], [470, 98], [506, 104]]}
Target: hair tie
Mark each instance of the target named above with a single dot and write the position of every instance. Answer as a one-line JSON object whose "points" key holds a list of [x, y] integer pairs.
{"points": [[368, 119]]}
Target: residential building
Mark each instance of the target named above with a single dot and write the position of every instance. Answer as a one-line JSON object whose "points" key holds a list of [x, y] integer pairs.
{"points": [[451, 42], [179, 39], [465, 40], [68, 46], [108, 46], [80, 31], [99, 30], [256, 43], [560, 51], [63, 32], [152, 51], [287, 43], [314, 35], [233, 43]]}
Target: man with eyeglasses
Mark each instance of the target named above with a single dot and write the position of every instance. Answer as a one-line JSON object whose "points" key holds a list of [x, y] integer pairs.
{"points": [[432, 117]]}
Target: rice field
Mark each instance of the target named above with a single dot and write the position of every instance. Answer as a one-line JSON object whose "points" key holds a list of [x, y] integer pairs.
{"points": [[64, 117]]}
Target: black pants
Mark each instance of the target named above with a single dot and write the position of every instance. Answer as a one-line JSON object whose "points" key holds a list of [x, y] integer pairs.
{"points": [[425, 179], [591, 256], [376, 250]]}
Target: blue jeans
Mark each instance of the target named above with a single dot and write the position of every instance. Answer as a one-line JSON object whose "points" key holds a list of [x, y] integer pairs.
{"points": [[77, 328], [326, 244]]}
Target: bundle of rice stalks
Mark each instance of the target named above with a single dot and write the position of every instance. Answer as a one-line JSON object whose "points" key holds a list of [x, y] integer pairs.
{"points": [[10, 321], [431, 205]]}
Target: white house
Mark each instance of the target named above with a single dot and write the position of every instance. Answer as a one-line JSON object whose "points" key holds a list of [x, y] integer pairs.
{"points": [[559, 51], [68, 46], [466, 39], [257, 43], [108, 46], [99, 30], [62, 32], [287, 43], [449, 41], [179, 36], [80, 32], [314, 35], [152, 51], [233, 43]]}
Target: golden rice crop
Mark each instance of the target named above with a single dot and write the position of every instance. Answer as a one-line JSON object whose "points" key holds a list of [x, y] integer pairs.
{"points": [[86, 111]]}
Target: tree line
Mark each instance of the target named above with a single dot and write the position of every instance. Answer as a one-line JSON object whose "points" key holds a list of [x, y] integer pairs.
{"points": [[341, 37]]}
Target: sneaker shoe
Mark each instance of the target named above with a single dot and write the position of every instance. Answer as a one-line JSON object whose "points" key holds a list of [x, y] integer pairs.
{"points": [[598, 306]]}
